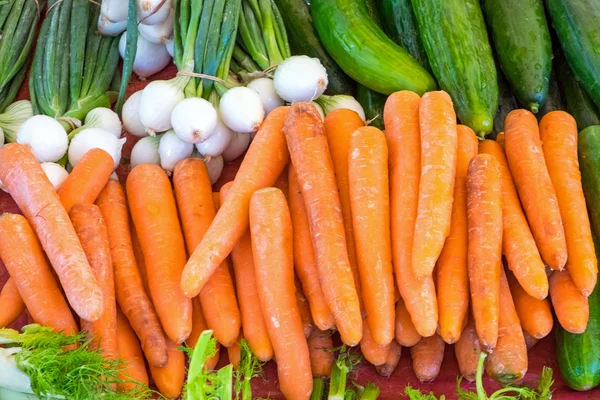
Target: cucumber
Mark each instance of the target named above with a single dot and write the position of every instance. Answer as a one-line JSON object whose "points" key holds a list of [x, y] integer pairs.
{"points": [[456, 42], [303, 40], [400, 24], [373, 11], [364, 51], [554, 100], [526, 63], [373, 103], [589, 164], [575, 99], [577, 26]]}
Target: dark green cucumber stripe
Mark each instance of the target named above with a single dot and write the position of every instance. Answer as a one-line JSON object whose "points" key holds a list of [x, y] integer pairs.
{"points": [[575, 99], [130, 50], [589, 164]]}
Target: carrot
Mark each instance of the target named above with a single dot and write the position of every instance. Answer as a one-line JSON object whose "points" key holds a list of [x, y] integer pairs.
{"points": [[558, 131], [401, 116], [508, 362], [305, 263], [373, 352], [130, 353], [518, 244], [501, 140], [535, 315], [11, 303], [154, 215], [484, 205], [304, 310], [311, 159], [387, 369], [571, 307], [406, 333], [529, 170], [370, 202], [467, 350], [427, 357], [91, 229], [320, 347], [530, 341], [198, 326], [139, 258], [282, 183], [234, 353], [339, 126], [263, 163], [24, 259], [169, 379], [271, 230], [84, 183], [436, 186], [28, 185], [131, 297], [452, 280]]}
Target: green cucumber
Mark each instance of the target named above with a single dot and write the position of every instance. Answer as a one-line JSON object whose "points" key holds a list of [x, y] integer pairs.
{"points": [[373, 103], [554, 100], [526, 62], [373, 11], [589, 164], [576, 100], [577, 27], [364, 51], [457, 45], [400, 23], [303, 40]]}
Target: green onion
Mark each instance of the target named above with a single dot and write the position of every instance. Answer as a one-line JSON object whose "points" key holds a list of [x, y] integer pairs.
{"points": [[12, 118], [344, 364], [130, 51]]}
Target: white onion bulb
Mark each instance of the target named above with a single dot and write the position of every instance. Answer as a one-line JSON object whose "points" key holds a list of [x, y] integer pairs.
{"points": [[56, 173], [145, 9], [104, 118], [93, 138], [158, 100], [108, 27], [238, 145], [145, 151], [150, 58], [268, 96], [217, 142], [131, 116], [172, 150], [241, 109], [159, 33], [194, 119], [300, 78], [45, 137]]}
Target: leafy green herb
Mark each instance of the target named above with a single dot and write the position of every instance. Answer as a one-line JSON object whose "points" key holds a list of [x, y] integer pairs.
{"points": [[249, 367], [415, 394], [344, 364], [369, 392], [318, 389]]}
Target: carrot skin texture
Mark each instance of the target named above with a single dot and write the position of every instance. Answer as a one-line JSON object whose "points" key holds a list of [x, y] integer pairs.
{"points": [[34, 194], [25, 261], [169, 379], [85, 182], [304, 310], [406, 333], [93, 234], [427, 357], [271, 230], [139, 258], [535, 315], [373, 352], [234, 354], [311, 159], [401, 116], [322, 357], [501, 140], [387, 369], [129, 289], [467, 350], [154, 215], [439, 147], [484, 205], [558, 131], [232, 219], [11, 303], [130, 352], [570, 306], [452, 280], [537, 194], [518, 244], [199, 325]]}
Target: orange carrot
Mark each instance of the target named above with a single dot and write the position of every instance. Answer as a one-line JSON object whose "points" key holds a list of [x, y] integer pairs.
{"points": [[234, 353], [130, 353], [198, 326], [131, 297], [558, 131], [427, 357], [339, 126], [282, 183], [369, 193], [406, 333], [263, 163], [571, 307], [530, 341], [91, 230], [11, 303], [28, 185], [529, 170], [27, 266], [436, 187], [387, 369], [305, 263], [320, 347], [518, 244], [452, 280], [304, 310], [501, 140], [467, 350], [271, 230], [373, 352], [87, 179], [535, 315], [154, 215], [312, 162], [401, 115], [139, 258], [169, 379], [508, 362], [484, 205]]}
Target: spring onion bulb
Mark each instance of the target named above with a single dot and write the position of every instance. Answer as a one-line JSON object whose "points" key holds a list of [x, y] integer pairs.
{"points": [[238, 145], [194, 119], [150, 58], [131, 116], [45, 137], [300, 78], [156, 105], [104, 118], [13, 117], [217, 142], [214, 166], [159, 33], [319, 109], [268, 96], [241, 109], [146, 11], [56, 173], [108, 27], [170, 46], [114, 10], [145, 151], [93, 138], [330, 103], [172, 150]]}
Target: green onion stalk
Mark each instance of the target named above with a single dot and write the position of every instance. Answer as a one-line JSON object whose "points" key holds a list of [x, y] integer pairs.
{"points": [[74, 65], [344, 364]]}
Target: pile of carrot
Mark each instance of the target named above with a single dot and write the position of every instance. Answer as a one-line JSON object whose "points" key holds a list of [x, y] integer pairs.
{"points": [[417, 236]]}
